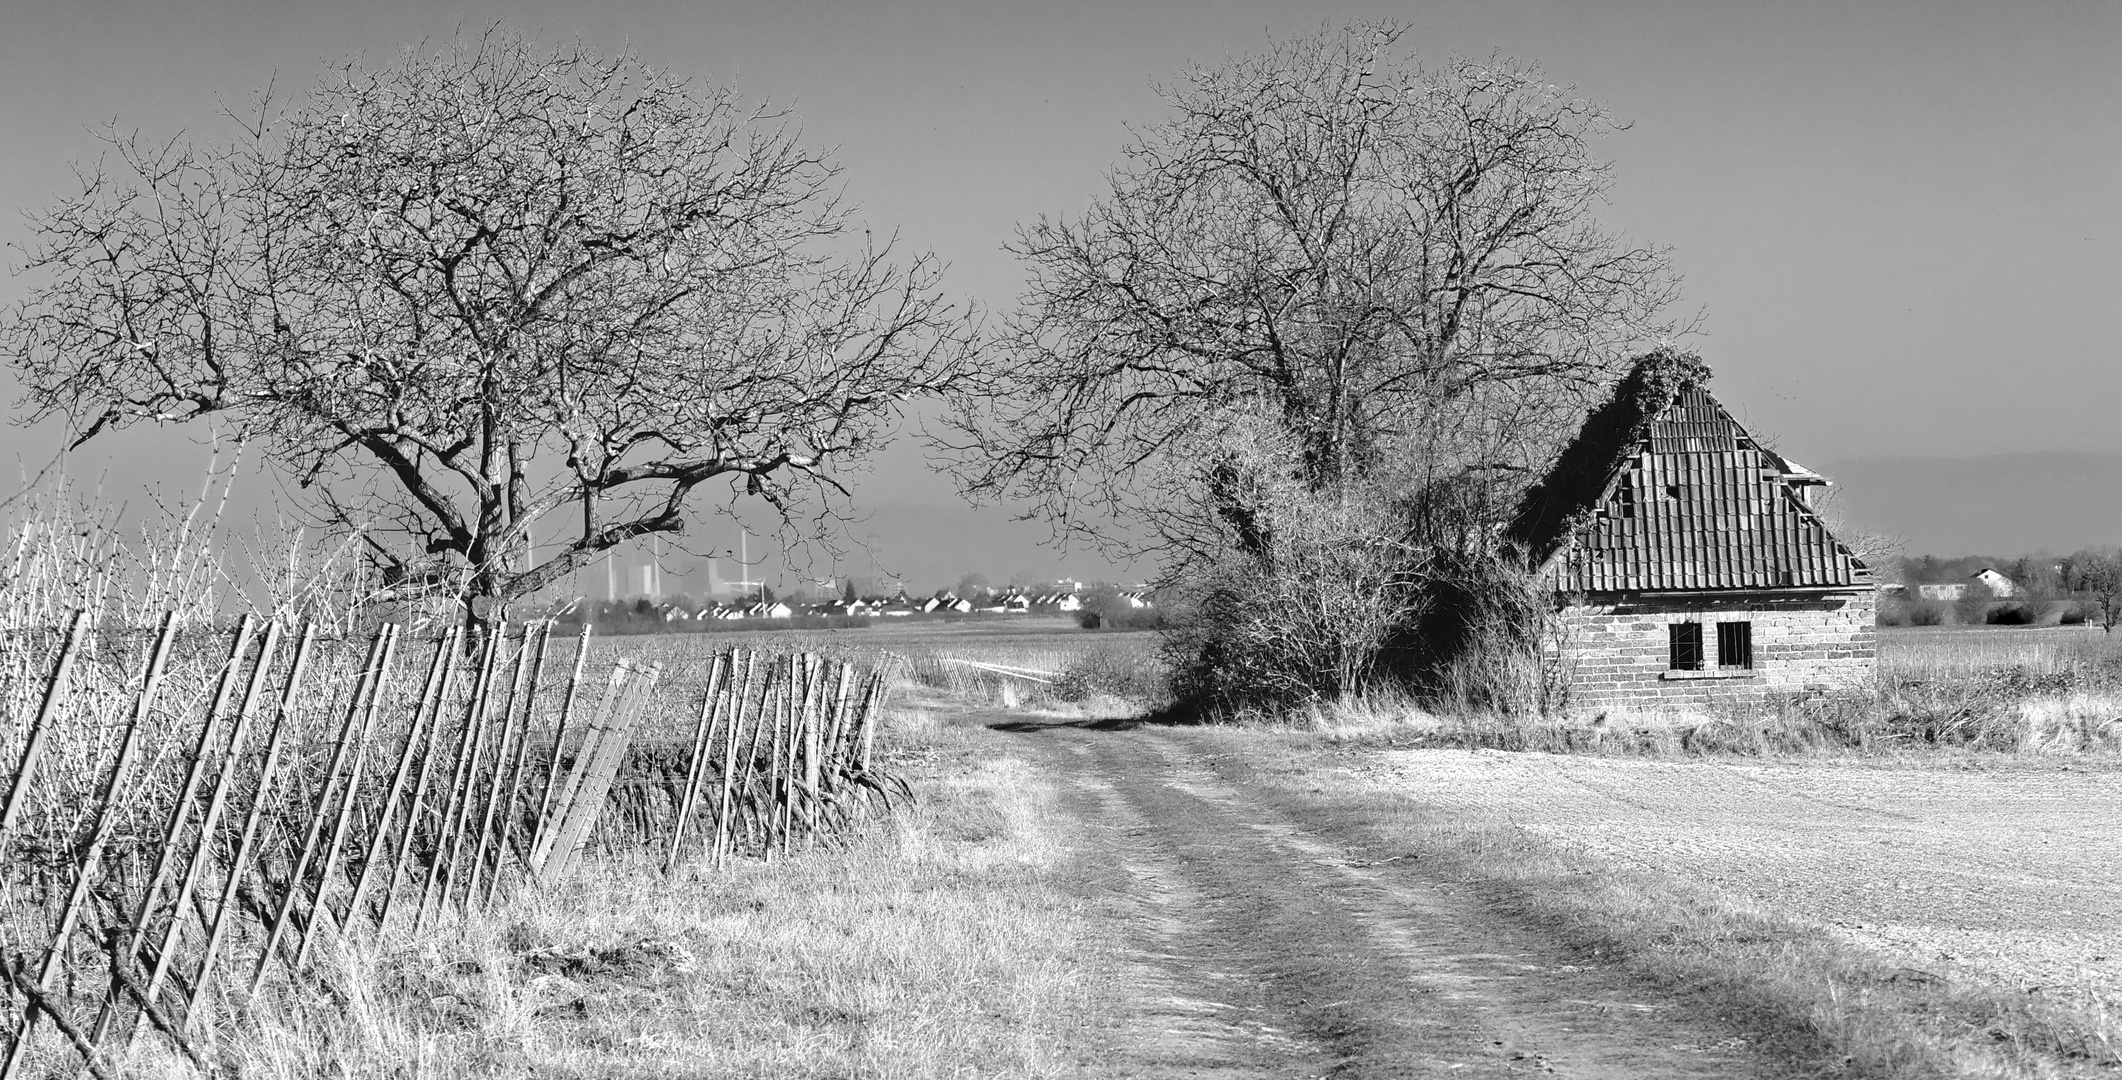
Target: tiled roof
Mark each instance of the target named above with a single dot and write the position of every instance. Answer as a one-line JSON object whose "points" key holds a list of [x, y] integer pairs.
{"points": [[1664, 491]]}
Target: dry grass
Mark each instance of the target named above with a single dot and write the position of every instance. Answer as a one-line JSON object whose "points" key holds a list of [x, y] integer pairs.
{"points": [[1794, 984], [2054, 693], [938, 943]]}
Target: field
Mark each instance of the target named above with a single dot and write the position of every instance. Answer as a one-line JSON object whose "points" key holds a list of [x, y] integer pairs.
{"points": [[1996, 871]]}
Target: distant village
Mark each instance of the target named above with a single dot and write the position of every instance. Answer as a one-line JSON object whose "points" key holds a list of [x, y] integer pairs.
{"points": [[1068, 598], [653, 594]]}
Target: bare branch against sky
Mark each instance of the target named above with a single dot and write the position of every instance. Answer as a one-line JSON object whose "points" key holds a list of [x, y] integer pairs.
{"points": [[1898, 220]]}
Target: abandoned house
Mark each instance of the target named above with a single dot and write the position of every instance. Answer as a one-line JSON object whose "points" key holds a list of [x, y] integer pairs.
{"points": [[1688, 563]]}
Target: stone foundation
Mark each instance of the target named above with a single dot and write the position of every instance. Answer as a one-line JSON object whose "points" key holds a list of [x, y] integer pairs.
{"points": [[1613, 652]]}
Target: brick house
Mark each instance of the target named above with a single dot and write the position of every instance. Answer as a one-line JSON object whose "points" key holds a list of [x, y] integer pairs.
{"points": [[1688, 564]]}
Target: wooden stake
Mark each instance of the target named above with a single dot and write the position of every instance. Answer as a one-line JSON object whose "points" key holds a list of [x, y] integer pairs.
{"points": [[446, 656], [552, 761], [109, 809], [315, 832], [172, 833], [444, 860], [515, 772], [703, 738], [33, 747], [495, 785], [187, 896], [587, 799], [591, 737], [240, 863], [318, 908]]}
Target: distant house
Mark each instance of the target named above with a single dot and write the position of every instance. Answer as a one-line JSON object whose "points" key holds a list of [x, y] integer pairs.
{"points": [[1687, 561], [1984, 582], [1996, 583]]}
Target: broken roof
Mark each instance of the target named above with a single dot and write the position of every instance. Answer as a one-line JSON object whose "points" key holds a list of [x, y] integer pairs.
{"points": [[1663, 491]]}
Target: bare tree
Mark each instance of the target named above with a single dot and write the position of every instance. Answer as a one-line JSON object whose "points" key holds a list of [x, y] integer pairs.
{"points": [[473, 291], [2099, 575], [1396, 264]]}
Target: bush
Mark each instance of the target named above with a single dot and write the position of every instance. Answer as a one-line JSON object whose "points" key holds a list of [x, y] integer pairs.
{"points": [[1121, 618], [2016, 613]]}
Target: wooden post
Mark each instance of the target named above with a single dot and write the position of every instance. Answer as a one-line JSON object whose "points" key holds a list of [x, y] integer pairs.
{"points": [[172, 833], [591, 737], [501, 756], [587, 799], [696, 766], [740, 693], [552, 761], [33, 747], [318, 908], [813, 739], [115, 795], [451, 826], [446, 655], [379, 837], [240, 863], [315, 832], [215, 804], [515, 772]]}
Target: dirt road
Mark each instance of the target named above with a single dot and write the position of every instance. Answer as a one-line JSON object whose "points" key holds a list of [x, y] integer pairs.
{"points": [[1264, 943]]}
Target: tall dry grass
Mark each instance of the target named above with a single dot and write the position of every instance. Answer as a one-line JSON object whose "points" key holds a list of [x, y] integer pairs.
{"points": [[2050, 692], [937, 944]]}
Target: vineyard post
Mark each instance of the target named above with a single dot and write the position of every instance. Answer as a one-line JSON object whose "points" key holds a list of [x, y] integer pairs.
{"points": [[740, 695], [592, 737], [237, 866], [552, 760], [314, 833], [501, 758], [33, 746], [449, 825], [505, 842], [446, 655], [813, 731], [115, 795], [379, 837], [215, 804], [318, 909], [837, 748], [703, 742], [165, 857]]}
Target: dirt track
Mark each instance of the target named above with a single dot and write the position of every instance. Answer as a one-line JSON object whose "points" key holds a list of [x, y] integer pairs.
{"points": [[1263, 945]]}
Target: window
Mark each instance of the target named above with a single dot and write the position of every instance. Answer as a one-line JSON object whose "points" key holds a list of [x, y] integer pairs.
{"points": [[1686, 646], [1735, 644]]}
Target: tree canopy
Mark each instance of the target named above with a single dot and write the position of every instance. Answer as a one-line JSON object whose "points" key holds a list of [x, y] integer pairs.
{"points": [[488, 287], [1327, 266]]}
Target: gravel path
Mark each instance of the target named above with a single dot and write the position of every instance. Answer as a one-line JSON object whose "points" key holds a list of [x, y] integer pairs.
{"points": [[1260, 946]]}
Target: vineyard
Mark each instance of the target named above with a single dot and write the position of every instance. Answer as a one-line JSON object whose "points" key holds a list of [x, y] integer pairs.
{"points": [[183, 828]]}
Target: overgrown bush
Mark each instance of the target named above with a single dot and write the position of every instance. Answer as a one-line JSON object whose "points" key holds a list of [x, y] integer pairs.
{"points": [[1327, 594], [1303, 616]]}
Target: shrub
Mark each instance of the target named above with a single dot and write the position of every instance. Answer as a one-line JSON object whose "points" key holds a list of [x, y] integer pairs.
{"points": [[2016, 613]]}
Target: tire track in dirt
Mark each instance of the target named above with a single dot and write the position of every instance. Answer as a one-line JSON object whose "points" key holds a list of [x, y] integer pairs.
{"points": [[1259, 946]]}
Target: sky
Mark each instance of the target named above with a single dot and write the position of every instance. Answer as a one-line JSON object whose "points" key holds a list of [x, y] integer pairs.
{"points": [[1899, 221]]}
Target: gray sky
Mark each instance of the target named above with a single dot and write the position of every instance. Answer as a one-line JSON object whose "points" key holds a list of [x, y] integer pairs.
{"points": [[1900, 220]]}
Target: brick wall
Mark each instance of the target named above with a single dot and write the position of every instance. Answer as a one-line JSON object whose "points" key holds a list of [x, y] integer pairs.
{"points": [[1614, 653]]}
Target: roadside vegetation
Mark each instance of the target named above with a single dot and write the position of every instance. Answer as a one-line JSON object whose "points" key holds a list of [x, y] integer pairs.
{"points": [[942, 942]]}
